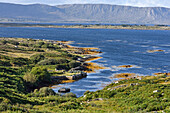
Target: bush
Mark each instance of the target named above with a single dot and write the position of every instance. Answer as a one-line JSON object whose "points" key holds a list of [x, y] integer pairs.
{"points": [[41, 43], [62, 67], [62, 60], [52, 61], [36, 58], [3, 106], [41, 74], [48, 62], [45, 91], [5, 63], [28, 77], [8, 70], [19, 61], [69, 105], [74, 64], [70, 95], [4, 42], [37, 76], [51, 54], [23, 44], [38, 50], [48, 45], [13, 42]]}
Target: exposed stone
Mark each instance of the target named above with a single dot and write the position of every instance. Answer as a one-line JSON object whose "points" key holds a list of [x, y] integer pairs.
{"points": [[64, 90], [155, 91], [116, 82], [99, 99], [167, 74], [152, 51], [73, 77], [124, 75], [126, 66], [133, 84]]}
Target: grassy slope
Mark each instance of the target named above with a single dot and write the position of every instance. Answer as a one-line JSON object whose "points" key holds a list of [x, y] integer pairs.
{"points": [[121, 97], [130, 98]]}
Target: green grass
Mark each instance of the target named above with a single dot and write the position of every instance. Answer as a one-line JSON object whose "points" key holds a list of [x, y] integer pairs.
{"points": [[137, 98], [18, 95]]}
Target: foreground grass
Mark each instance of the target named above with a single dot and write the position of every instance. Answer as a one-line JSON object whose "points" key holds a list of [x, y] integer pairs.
{"points": [[132, 95]]}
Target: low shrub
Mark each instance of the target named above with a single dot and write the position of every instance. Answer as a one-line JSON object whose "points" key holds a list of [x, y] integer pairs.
{"points": [[13, 42], [5, 63], [19, 61], [36, 58], [28, 77], [45, 91], [64, 66], [52, 61], [37, 76], [70, 95], [74, 64]]}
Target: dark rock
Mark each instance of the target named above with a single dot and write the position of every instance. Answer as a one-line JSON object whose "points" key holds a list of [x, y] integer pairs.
{"points": [[64, 90], [133, 84], [99, 99]]}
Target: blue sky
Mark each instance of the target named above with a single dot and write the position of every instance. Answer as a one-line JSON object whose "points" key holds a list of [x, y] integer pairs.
{"points": [[140, 3]]}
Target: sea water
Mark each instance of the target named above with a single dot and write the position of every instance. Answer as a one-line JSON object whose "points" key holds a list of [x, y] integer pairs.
{"points": [[119, 47]]}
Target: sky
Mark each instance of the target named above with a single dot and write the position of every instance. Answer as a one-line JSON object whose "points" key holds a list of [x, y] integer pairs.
{"points": [[139, 3]]}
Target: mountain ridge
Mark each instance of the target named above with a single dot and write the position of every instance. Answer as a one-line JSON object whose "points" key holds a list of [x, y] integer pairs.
{"points": [[99, 13]]}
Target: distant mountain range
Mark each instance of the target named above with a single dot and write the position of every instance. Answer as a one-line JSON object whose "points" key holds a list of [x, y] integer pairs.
{"points": [[82, 13]]}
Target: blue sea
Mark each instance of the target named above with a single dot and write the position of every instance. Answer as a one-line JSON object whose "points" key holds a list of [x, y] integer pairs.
{"points": [[119, 47]]}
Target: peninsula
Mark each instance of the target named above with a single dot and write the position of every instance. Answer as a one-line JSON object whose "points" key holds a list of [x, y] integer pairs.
{"points": [[28, 66], [90, 26]]}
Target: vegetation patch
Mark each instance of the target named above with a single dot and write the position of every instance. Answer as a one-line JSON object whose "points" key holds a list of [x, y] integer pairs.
{"points": [[24, 82]]}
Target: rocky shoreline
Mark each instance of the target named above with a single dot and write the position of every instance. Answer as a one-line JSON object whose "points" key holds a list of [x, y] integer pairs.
{"points": [[56, 60], [73, 77], [79, 72]]}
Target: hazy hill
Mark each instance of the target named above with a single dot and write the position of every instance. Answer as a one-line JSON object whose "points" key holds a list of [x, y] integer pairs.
{"points": [[102, 13]]}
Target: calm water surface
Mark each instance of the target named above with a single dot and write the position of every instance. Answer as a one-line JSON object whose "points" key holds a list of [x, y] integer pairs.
{"points": [[120, 47]]}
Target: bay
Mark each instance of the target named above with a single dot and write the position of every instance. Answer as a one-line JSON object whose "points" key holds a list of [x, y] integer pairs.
{"points": [[119, 47]]}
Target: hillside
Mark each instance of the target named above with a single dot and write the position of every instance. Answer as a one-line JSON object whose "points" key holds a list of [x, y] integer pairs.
{"points": [[27, 65], [101, 13]]}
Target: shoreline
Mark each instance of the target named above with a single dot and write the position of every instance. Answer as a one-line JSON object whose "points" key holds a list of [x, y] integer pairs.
{"points": [[90, 26], [51, 54], [90, 55], [131, 94]]}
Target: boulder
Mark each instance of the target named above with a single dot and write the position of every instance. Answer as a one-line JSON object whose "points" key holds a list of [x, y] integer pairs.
{"points": [[64, 90], [45, 91]]}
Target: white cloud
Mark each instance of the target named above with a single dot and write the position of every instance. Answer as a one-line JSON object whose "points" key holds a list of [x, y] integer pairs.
{"points": [[140, 3], [148, 3]]}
